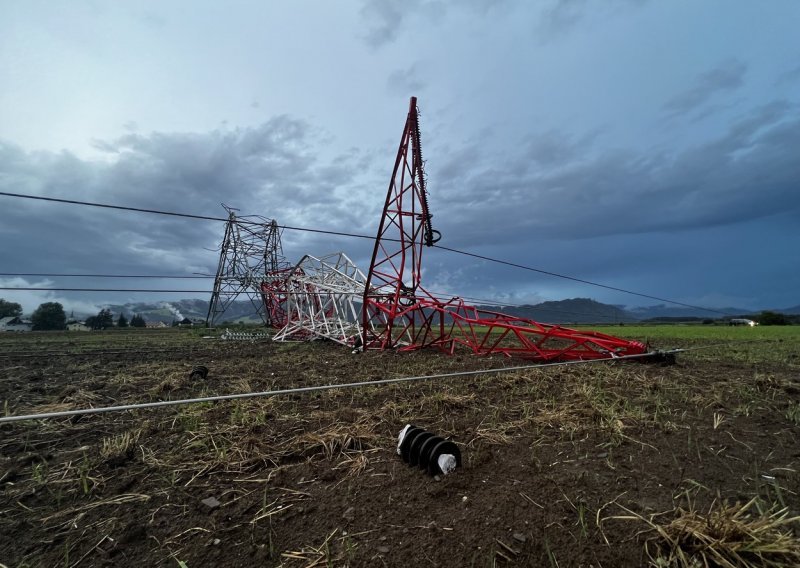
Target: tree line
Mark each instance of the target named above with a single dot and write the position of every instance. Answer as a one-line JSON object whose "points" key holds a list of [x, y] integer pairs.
{"points": [[51, 316]]}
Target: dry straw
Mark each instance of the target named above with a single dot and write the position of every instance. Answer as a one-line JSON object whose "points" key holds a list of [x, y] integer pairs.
{"points": [[727, 536]]}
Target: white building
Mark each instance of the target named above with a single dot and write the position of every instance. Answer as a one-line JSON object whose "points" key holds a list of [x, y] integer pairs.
{"points": [[11, 323]]}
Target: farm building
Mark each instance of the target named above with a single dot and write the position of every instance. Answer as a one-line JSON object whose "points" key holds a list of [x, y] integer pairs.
{"points": [[15, 324], [77, 326]]}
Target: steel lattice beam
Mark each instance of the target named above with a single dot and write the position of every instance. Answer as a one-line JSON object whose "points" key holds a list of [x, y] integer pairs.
{"points": [[397, 312], [324, 296]]}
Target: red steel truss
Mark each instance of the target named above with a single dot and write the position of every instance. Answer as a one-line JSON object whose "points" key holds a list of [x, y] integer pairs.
{"points": [[275, 293], [397, 312]]}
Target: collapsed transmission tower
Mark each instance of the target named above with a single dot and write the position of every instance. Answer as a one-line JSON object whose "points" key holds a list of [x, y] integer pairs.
{"points": [[250, 250], [397, 312], [323, 297]]}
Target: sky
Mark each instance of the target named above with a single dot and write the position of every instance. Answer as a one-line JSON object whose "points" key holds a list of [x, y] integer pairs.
{"points": [[649, 146]]}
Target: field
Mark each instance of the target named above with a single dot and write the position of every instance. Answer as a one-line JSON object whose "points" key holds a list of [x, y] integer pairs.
{"points": [[609, 464]]}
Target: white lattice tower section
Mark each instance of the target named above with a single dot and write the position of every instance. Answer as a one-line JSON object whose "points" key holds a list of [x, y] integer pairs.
{"points": [[324, 301]]}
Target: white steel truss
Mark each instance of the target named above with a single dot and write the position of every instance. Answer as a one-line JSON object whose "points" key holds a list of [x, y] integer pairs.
{"points": [[324, 301]]}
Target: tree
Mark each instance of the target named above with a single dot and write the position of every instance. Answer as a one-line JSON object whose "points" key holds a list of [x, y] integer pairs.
{"points": [[138, 321], [49, 315], [9, 309], [103, 320], [106, 318], [772, 318], [122, 321]]}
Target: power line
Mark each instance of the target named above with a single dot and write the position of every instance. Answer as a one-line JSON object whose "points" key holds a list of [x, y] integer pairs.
{"points": [[176, 214], [360, 236], [56, 275], [574, 279], [99, 410], [483, 301], [107, 206], [492, 303], [107, 290]]}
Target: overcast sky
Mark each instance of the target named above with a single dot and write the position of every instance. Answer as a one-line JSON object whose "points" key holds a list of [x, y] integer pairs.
{"points": [[646, 145]]}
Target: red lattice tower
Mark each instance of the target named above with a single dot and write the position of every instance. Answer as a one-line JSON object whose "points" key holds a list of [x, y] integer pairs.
{"points": [[397, 312]]}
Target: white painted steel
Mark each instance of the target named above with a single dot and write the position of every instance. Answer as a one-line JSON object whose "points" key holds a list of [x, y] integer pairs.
{"points": [[324, 300]]}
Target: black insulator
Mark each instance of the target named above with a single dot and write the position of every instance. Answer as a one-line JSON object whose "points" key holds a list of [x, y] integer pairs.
{"points": [[426, 449], [415, 450], [444, 447], [405, 445], [199, 372], [423, 449]]}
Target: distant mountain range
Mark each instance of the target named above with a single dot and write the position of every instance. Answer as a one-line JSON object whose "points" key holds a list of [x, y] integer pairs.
{"points": [[575, 310], [178, 310]]}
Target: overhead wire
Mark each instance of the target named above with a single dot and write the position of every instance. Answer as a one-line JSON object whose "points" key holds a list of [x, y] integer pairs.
{"points": [[483, 301], [490, 303], [148, 290], [176, 214], [575, 279], [362, 236], [58, 275]]}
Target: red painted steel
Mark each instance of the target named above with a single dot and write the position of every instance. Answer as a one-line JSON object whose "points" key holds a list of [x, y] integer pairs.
{"points": [[397, 312], [275, 292], [276, 288]]}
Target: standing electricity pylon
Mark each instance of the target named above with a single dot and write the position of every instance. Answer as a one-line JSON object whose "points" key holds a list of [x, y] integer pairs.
{"points": [[398, 312], [250, 250], [322, 301]]}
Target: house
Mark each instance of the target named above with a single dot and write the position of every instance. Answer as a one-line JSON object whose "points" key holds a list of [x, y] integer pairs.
{"points": [[78, 326], [155, 324], [11, 323]]}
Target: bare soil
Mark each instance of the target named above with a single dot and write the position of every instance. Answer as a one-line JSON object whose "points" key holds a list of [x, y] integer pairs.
{"points": [[553, 458]]}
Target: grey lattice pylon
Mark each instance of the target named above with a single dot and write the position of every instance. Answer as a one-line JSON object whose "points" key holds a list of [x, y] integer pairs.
{"points": [[324, 301], [250, 249]]}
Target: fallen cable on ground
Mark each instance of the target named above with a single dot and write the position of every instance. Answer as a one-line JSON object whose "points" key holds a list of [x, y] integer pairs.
{"points": [[121, 407]]}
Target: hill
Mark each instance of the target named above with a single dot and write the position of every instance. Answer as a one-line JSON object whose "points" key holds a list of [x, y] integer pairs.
{"points": [[570, 311], [195, 310], [678, 312], [575, 310]]}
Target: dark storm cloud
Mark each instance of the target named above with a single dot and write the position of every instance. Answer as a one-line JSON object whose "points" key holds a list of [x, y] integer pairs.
{"points": [[553, 148], [386, 19], [560, 16], [541, 202], [405, 81], [749, 173], [271, 170], [724, 78]]}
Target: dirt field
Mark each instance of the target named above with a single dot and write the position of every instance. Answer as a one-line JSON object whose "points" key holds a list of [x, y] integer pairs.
{"points": [[596, 465]]}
